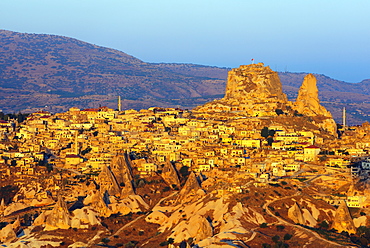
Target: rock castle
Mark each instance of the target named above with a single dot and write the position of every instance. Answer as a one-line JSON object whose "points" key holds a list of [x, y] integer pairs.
{"points": [[256, 91]]}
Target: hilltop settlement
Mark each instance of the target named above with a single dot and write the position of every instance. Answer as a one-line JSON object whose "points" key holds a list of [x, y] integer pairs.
{"points": [[249, 170]]}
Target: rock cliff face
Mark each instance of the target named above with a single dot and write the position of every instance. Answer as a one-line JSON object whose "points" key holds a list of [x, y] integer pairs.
{"points": [[248, 89], [256, 91], [308, 102], [256, 80], [343, 220]]}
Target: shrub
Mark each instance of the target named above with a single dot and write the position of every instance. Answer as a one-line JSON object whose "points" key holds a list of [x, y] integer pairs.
{"points": [[164, 243], [324, 224], [287, 236], [280, 227], [165, 189], [276, 238], [263, 225], [105, 240]]}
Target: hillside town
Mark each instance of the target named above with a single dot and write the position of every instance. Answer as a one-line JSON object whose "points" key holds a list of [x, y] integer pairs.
{"points": [[249, 170]]}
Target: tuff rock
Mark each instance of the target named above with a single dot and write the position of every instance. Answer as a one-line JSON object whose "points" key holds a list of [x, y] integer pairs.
{"points": [[343, 220]]}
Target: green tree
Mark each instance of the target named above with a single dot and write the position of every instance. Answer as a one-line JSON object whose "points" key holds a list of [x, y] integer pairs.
{"points": [[265, 132], [270, 140], [324, 224], [287, 236], [279, 111], [276, 238]]}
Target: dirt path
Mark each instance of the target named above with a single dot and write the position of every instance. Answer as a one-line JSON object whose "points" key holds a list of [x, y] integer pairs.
{"points": [[282, 221]]}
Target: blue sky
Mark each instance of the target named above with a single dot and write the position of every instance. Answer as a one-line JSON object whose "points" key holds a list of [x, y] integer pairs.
{"points": [[318, 36]]}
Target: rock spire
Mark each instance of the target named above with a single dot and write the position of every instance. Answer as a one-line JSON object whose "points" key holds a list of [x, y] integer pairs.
{"points": [[169, 174], [108, 182], [308, 102], [190, 188], [295, 214], [343, 220], [59, 218]]}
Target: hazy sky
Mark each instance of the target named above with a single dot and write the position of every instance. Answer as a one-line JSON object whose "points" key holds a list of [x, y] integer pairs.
{"points": [[318, 36]]}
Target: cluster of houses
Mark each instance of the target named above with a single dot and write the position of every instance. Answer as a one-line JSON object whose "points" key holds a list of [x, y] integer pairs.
{"points": [[87, 140]]}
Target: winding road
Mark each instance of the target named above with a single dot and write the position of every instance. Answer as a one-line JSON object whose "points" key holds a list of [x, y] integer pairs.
{"points": [[282, 221]]}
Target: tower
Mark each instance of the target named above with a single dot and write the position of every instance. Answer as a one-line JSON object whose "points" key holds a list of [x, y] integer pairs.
{"points": [[76, 150], [344, 118], [119, 103]]}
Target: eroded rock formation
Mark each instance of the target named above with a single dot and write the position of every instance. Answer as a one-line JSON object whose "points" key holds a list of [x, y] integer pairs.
{"points": [[108, 182], [308, 102], [169, 174], [256, 91], [343, 220], [295, 214], [190, 188], [121, 166], [59, 217], [248, 89], [254, 81]]}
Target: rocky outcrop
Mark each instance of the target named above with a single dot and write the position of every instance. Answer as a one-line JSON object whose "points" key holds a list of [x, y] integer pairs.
{"points": [[190, 188], [126, 187], [295, 214], [256, 91], [308, 102], [59, 217], [120, 167], [108, 182], [248, 89], [254, 81], [169, 174], [99, 202], [122, 172], [343, 220], [7, 234]]}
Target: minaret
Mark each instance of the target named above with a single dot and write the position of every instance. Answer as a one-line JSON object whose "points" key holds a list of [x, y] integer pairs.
{"points": [[344, 118], [119, 103], [76, 143]]}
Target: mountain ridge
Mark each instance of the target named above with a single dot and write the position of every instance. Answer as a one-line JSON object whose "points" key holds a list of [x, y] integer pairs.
{"points": [[51, 72]]}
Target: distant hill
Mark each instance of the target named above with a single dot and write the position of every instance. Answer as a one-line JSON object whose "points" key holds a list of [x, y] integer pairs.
{"points": [[54, 73], [335, 95]]}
